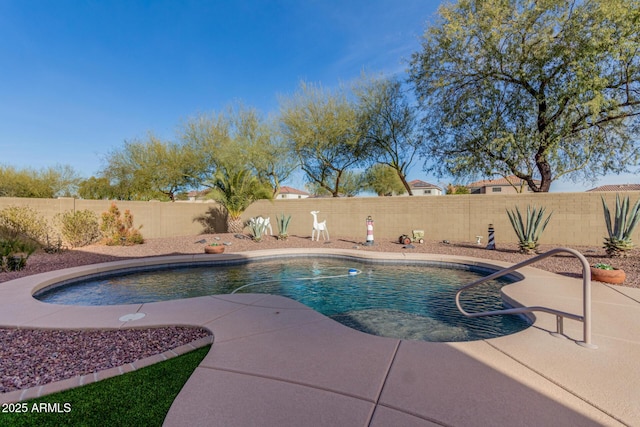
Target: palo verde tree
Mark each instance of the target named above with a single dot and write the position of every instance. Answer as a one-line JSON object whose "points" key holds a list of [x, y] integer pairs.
{"points": [[62, 179], [97, 188], [383, 180], [244, 161], [263, 147], [533, 88], [323, 131], [390, 125], [153, 168], [54, 181], [240, 135], [352, 183]]}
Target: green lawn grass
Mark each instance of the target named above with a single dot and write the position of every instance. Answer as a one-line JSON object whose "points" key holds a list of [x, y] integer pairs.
{"points": [[139, 398]]}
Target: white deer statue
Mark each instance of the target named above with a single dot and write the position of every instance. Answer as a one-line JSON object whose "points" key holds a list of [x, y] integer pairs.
{"points": [[320, 227]]}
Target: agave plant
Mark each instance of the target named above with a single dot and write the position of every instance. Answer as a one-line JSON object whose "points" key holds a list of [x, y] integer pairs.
{"points": [[528, 231], [619, 243], [258, 229], [283, 226]]}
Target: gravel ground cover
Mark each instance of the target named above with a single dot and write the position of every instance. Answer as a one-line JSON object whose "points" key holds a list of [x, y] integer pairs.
{"points": [[562, 264], [36, 357], [91, 351]]}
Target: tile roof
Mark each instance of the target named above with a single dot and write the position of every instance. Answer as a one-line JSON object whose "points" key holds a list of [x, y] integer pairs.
{"points": [[198, 193], [290, 190], [509, 180], [617, 187], [416, 183]]}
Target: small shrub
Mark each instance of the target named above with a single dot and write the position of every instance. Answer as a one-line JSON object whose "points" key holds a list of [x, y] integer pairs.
{"points": [[117, 229], [79, 228], [53, 246], [23, 222], [603, 266], [14, 254]]}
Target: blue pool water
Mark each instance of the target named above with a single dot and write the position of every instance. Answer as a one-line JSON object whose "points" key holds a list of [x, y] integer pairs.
{"points": [[402, 301]]}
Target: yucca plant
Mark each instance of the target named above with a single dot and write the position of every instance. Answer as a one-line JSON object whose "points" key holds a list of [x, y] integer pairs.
{"points": [[528, 231], [283, 226], [619, 243]]}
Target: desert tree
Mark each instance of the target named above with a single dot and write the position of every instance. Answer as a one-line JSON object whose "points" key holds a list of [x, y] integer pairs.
{"points": [[96, 188], [390, 125], [240, 135], [541, 89], [63, 179], [244, 160], [383, 180], [351, 184], [152, 168], [263, 146], [22, 183], [54, 181], [322, 129]]}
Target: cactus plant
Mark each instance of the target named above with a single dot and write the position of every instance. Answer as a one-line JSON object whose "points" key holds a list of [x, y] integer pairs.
{"points": [[283, 226], [528, 231], [619, 242], [118, 229]]}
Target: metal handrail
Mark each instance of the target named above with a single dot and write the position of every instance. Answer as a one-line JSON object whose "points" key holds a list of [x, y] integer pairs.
{"points": [[586, 297]]}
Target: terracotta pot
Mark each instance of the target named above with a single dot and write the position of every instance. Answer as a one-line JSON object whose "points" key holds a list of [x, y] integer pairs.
{"points": [[608, 276], [213, 249]]}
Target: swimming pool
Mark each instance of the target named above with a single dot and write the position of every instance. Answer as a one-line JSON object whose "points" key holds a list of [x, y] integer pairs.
{"points": [[401, 301]]}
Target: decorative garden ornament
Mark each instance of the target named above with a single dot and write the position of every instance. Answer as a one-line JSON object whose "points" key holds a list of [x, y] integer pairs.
{"points": [[320, 227]]}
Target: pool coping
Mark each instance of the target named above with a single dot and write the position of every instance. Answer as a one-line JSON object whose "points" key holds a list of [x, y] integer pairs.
{"points": [[533, 353]]}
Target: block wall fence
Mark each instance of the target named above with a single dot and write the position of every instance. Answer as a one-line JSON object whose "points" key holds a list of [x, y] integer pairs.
{"points": [[577, 217]]}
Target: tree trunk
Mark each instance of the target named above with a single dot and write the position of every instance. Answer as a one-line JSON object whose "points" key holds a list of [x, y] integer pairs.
{"points": [[543, 167], [235, 225], [407, 187], [545, 176]]}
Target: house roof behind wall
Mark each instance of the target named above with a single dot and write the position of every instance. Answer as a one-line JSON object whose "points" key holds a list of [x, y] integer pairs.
{"points": [[509, 180], [290, 190], [617, 187], [416, 183]]}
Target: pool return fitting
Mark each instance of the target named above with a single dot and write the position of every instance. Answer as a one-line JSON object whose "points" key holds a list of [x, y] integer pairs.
{"points": [[560, 315]]}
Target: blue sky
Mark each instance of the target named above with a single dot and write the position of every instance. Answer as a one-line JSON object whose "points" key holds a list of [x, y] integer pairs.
{"points": [[78, 78]]}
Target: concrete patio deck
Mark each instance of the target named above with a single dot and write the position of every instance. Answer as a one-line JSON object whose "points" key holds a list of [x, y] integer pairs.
{"points": [[275, 362]]}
